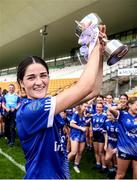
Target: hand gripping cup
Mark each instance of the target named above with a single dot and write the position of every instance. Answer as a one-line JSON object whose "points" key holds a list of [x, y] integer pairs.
{"points": [[87, 30]]}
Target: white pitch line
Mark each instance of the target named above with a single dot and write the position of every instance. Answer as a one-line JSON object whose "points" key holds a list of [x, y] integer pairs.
{"points": [[12, 160]]}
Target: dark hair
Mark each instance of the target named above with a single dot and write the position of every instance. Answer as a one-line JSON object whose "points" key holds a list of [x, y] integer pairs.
{"points": [[4, 92], [124, 95], [100, 96], [25, 63]]}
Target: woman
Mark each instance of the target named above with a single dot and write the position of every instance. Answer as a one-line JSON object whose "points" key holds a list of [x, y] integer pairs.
{"points": [[127, 139], [110, 130], [98, 121], [98, 99], [36, 118], [123, 102], [109, 102], [88, 116], [77, 135]]}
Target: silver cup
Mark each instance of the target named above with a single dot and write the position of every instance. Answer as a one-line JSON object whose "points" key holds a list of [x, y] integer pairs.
{"points": [[114, 49]]}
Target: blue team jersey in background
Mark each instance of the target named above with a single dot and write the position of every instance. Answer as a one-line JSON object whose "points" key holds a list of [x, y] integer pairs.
{"points": [[98, 121], [77, 134], [41, 139], [111, 127], [80, 121], [90, 109], [127, 133], [69, 113]]}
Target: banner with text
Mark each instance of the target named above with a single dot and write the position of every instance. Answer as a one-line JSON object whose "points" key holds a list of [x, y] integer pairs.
{"points": [[127, 71]]}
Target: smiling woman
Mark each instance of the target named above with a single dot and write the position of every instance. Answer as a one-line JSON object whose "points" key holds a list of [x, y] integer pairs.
{"points": [[34, 73], [38, 119]]}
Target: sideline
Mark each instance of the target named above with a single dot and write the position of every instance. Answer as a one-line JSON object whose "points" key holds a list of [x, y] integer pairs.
{"points": [[12, 160]]}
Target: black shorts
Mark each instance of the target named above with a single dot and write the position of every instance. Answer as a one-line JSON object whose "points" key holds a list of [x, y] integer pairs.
{"points": [[98, 137], [125, 156]]}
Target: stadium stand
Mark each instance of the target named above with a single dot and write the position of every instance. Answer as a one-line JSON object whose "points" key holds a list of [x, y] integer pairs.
{"points": [[63, 77]]}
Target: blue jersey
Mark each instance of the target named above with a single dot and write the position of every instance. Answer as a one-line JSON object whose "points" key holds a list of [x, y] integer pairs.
{"points": [[60, 124], [41, 139], [98, 121], [111, 127], [127, 133], [77, 134], [11, 100], [69, 113], [89, 111]]}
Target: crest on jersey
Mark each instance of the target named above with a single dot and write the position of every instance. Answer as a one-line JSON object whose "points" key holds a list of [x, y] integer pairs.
{"points": [[34, 106]]}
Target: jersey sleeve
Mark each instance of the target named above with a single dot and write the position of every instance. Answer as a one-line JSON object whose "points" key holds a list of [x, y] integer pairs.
{"points": [[36, 115]]}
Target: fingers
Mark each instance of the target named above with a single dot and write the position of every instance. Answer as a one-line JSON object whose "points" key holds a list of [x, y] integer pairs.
{"points": [[102, 32], [102, 28], [102, 36]]}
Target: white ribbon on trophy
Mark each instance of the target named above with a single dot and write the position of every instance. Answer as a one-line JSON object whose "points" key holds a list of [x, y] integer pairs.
{"points": [[87, 31]]}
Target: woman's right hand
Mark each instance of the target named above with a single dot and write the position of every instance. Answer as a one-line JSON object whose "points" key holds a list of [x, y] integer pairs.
{"points": [[102, 36], [83, 129]]}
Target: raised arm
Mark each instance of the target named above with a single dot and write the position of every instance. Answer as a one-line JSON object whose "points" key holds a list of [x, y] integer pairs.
{"points": [[114, 111], [97, 86], [85, 85]]}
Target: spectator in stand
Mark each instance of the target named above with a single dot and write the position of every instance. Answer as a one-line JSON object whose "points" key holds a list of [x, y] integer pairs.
{"points": [[10, 104], [127, 138]]}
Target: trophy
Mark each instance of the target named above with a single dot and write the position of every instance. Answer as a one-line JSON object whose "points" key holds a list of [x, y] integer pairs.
{"points": [[87, 30]]}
